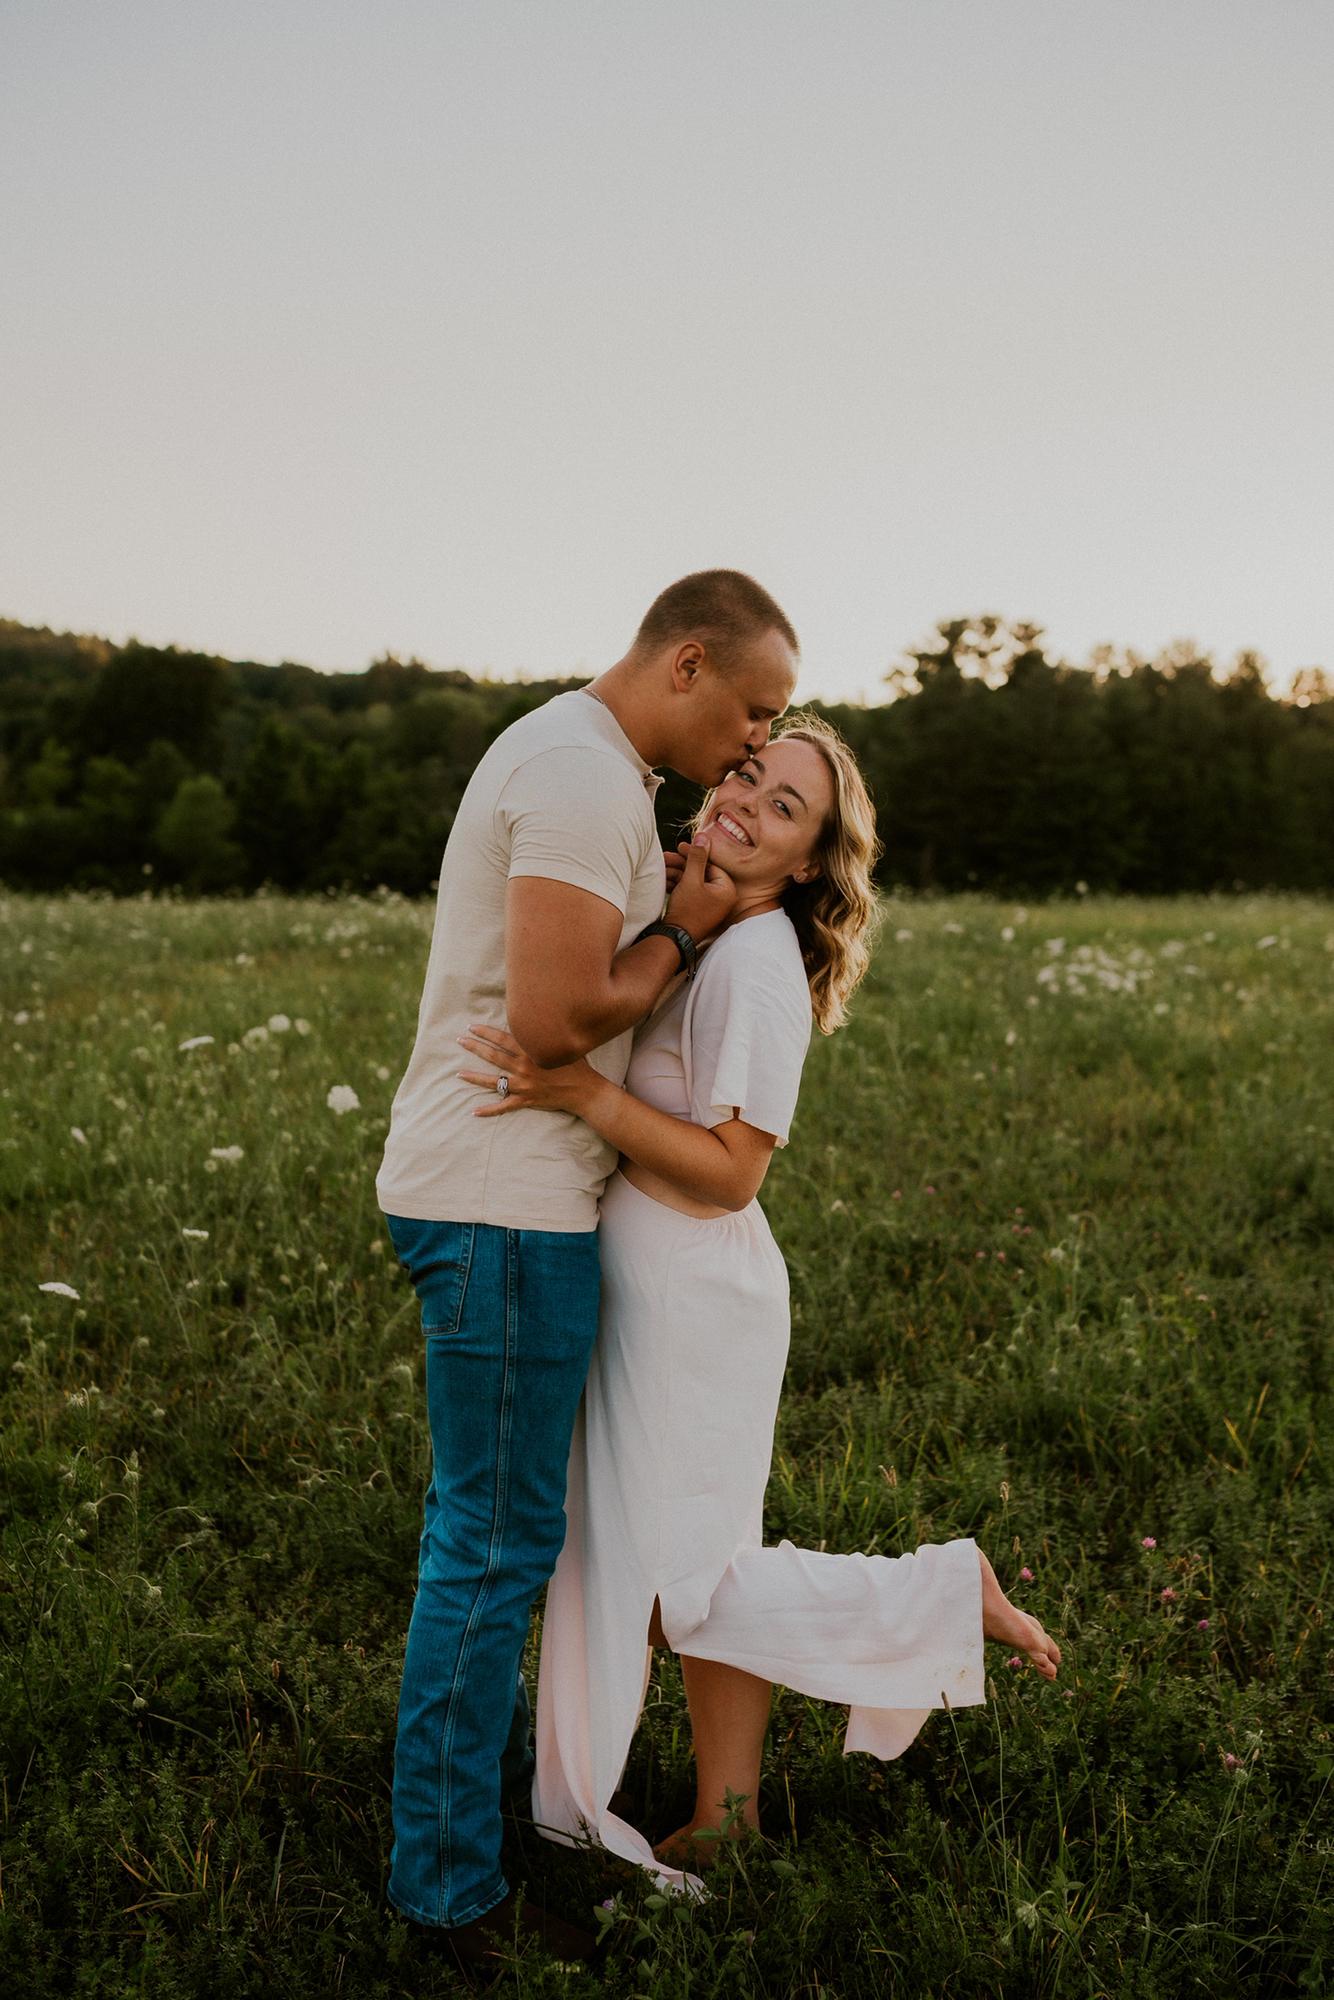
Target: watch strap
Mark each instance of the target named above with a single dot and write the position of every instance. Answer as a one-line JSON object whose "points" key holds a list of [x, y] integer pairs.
{"points": [[685, 944]]}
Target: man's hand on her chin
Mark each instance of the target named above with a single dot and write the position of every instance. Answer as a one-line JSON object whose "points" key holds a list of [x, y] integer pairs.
{"points": [[703, 898]]}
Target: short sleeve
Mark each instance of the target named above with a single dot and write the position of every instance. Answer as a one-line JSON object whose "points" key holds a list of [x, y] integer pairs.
{"points": [[574, 814], [744, 1036]]}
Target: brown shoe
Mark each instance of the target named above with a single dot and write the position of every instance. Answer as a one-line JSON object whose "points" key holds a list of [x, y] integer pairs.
{"points": [[483, 1945]]}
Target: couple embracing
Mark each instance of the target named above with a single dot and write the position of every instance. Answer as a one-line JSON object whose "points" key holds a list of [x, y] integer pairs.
{"points": [[609, 1048]]}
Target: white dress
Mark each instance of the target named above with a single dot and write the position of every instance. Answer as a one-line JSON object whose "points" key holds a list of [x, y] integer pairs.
{"points": [[672, 1448]]}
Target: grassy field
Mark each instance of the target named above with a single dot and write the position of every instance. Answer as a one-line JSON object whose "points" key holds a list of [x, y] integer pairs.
{"points": [[1058, 1210]]}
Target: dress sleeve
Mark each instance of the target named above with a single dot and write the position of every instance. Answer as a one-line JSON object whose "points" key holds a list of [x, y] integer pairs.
{"points": [[571, 815], [744, 1037]]}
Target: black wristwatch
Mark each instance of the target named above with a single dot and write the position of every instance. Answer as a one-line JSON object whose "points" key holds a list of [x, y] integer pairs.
{"points": [[683, 941]]}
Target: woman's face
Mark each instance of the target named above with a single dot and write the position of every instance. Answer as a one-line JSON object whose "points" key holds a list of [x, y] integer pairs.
{"points": [[764, 820]]}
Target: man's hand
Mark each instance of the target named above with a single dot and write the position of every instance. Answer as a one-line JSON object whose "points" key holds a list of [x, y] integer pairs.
{"points": [[703, 899], [676, 863]]}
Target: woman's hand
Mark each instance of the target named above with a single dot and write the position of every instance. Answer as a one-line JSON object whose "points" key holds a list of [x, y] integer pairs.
{"points": [[530, 1088]]}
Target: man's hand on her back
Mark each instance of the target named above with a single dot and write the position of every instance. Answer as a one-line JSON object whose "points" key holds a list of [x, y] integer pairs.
{"points": [[702, 900]]}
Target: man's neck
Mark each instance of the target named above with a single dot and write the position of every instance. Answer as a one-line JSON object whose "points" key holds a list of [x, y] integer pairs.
{"points": [[622, 691]]}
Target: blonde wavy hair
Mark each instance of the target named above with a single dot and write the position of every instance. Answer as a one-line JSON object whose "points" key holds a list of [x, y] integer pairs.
{"points": [[834, 914]]}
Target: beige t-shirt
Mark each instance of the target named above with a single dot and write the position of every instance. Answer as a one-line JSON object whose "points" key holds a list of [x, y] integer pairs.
{"points": [[561, 793]]}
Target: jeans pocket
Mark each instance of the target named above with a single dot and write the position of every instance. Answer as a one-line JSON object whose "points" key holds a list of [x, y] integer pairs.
{"points": [[437, 1257]]}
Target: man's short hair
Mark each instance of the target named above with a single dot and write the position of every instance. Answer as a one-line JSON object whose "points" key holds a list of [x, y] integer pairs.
{"points": [[721, 607]]}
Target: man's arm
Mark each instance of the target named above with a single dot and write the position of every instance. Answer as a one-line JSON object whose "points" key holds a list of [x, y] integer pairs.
{"points": [[567, 988]]}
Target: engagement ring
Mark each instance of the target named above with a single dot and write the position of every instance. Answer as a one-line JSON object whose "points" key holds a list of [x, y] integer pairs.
{"points": [[502, 1086]]}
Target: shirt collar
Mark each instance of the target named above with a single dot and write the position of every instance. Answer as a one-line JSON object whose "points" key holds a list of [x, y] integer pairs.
{"points": [[610, 728]]}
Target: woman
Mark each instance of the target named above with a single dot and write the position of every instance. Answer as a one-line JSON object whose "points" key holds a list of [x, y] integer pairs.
{"points": [[672, 1450]]}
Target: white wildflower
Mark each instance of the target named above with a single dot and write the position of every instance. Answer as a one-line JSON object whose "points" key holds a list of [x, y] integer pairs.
{"points": [[1264, 943], [80, 1138], [252, 1037], [343, 1098], [59, 1290], [1011, 1037], [902, 937], [195, 1042], [1007, 934], [22, 1018], [229, 1153], [302, 1027], [279, 1024], [196, 1235]]}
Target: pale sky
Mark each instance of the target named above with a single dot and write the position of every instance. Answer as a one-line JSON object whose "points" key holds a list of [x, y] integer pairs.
{"points": [[461, 329]]}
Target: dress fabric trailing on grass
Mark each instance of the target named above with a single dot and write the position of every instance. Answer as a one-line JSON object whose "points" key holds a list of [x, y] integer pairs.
{"points": [[669, 1462]]}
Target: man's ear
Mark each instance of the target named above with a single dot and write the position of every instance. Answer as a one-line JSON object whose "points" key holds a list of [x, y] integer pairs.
{"points": [[686, 664]]}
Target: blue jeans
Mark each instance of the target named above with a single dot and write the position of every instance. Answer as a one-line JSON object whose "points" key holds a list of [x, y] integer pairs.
{"points": [[509, 1318]]}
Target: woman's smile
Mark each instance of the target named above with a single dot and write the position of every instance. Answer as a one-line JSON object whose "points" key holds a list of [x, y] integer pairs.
{"points": [[733, 829]]}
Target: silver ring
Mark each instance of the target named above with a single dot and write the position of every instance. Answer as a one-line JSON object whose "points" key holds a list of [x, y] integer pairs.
{"points": [[502, 1086]]}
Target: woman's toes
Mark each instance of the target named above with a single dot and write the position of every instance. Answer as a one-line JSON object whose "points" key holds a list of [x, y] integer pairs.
{"points": [[1044, 1652]]}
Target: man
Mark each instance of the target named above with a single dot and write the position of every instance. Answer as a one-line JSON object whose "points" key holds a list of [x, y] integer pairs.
{"points": [[549, 920]]}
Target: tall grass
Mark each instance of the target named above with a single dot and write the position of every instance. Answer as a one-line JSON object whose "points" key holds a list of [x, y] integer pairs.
{"points": [[1058, 1211]]}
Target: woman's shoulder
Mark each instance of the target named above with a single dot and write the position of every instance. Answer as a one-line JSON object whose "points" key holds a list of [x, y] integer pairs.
{"points": [[770, 936], [764, 953]]}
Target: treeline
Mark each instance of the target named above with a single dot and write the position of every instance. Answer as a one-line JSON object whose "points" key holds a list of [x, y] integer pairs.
{"points": [[993, 766]]}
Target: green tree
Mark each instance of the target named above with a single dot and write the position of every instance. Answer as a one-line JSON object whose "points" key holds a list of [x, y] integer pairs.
{"points": [[276, 817], [51, 778], [108, 808], [192, 835], [143, 693]]}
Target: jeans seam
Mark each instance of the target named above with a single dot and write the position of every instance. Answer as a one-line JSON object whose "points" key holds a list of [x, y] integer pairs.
{"points": [[493, 1553], [465, 1273]]}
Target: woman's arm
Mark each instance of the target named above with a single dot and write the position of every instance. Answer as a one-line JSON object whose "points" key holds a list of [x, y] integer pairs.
{"points": [[723, 1165]]}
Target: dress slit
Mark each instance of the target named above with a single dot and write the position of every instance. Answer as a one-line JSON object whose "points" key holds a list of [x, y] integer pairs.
{"points": [[668, 1467]]}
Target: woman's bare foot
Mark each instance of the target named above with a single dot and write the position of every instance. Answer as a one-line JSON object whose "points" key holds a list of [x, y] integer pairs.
{"points": [[699, 1843], [1005, 1622]]}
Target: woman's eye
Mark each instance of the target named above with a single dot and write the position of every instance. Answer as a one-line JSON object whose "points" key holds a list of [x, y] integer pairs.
{"points": [[747, 777]]}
